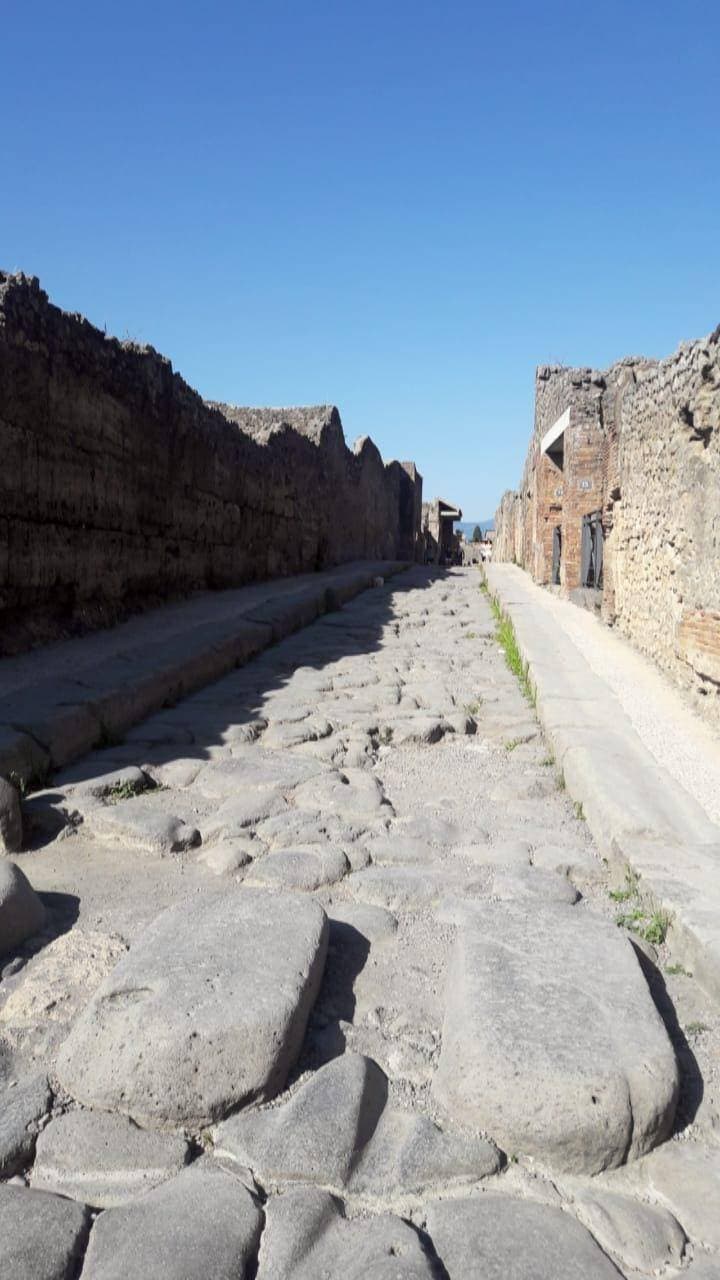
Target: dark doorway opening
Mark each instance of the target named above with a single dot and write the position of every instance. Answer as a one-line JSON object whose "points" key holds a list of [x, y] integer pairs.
{"points": [[592, 551], [556, 554]]}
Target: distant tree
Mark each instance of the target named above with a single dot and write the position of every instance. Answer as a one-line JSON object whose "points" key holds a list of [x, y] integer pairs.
{"points": [[477, 534]]}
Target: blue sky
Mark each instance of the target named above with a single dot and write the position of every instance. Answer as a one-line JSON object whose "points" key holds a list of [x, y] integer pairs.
{"points": [[398, 207]]}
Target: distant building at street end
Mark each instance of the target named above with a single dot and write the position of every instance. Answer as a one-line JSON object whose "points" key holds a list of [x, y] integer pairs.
{"points": [[441, 545]]}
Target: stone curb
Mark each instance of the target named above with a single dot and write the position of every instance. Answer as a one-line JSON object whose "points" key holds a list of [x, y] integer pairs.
{"points": [[52, 723], [637, 813]]}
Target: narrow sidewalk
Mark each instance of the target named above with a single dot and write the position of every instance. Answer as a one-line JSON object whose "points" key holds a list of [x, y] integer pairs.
{"points": [[645, 770], [59, 701]]}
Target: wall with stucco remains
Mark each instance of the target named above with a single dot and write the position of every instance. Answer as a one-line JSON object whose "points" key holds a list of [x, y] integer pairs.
{"points": [[120, 486], [643, 448]]}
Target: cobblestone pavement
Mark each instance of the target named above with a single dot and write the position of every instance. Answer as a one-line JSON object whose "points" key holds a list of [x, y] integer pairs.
{"points": [[333, 982]]}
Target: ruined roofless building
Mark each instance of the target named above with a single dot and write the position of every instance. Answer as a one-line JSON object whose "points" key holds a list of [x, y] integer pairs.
{"points": [[619, 505], [438, 518]]}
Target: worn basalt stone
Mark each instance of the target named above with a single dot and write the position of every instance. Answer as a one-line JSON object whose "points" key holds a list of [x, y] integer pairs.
{"points": [[205, 1013]]}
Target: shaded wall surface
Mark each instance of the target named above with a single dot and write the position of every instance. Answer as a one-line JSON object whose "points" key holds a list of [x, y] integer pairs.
{"points": [[120, 486], [642, 448]]}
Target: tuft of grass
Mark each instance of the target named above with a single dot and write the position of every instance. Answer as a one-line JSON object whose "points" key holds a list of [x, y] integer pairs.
{"points": [[123, 791], [678, 970], [696, 1028], [472, 708], [560, 781], [547, 762], [632, 882], [579, 811], [506, 638], [631, 920], [470, 635], [656, 929], [512, 744], [653, 927]]}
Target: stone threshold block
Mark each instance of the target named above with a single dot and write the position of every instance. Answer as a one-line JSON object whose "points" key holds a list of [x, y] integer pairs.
{"points": [[205, 1013], [551, 1043]]}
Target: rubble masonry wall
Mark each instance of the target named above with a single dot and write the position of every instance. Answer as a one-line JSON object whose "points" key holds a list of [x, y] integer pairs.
{"points": [[643, 446], [120, 487]]}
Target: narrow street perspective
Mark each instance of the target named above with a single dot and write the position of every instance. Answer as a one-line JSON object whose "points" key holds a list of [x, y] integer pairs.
{"points": [[360, 642], [332, 980]]}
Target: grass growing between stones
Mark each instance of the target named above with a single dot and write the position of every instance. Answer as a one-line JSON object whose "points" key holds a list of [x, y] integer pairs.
{"points": [[124, 791], [651, 925], [506, 638], [632, 882], [656, 929], [645, 919]]}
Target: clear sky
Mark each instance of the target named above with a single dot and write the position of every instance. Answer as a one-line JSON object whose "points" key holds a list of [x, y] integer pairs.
{"points": [[399, 207]]}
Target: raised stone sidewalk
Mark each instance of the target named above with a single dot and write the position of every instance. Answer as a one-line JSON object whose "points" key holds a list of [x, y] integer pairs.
{"points": [[59, 702], [639, 813]]}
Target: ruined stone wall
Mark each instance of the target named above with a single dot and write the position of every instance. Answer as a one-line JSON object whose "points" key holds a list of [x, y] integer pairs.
{"points": [[121, 487], [643, 447], [665, 540], [508, 544]]}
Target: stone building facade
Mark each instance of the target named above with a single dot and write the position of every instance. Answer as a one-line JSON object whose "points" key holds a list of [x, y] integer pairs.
{"points": [[619, 504], [120, 487], [441, 544]]}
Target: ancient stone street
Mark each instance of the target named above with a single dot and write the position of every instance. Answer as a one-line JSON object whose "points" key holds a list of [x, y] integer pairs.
{"points": [[332, 981]]}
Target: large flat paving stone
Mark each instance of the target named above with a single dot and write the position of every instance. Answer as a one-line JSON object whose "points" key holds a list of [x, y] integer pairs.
{"points": [[146, 829], [42, 1237], [306, 1237], [255, 769], [304, 869], [495, 1237], [22, 1106], [351, 794], [338, 1131], [552, 1044], [203, 1225], [318, 1134], [104, 1160], [206, 1012], [683, 1177], [641, 1237]]}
